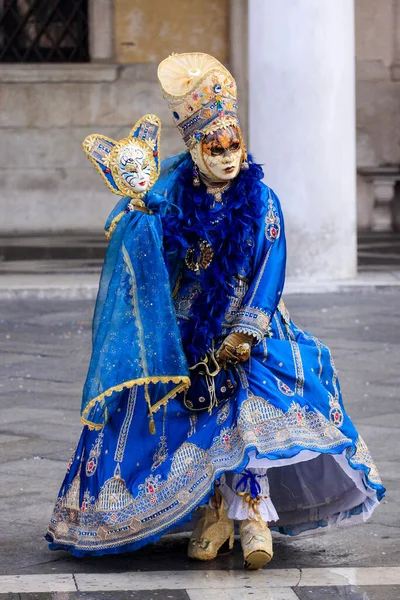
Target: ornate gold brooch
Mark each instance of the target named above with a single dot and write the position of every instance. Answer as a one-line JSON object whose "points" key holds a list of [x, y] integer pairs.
{"points": [[199, 256]]}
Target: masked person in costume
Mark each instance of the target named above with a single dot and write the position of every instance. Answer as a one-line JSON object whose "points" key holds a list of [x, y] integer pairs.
{"points": [[261, 435]]}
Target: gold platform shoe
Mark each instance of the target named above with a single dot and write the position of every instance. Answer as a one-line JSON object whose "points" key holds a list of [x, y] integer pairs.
{"points": [[213, 529], [256, 540]]}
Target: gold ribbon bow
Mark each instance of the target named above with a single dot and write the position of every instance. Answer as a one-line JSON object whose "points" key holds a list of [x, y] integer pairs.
{"points": [[252, 503]]}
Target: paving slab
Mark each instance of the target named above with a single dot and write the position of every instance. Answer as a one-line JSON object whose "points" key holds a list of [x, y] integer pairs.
{"points": [[142, 595], [205, 580], [44, 350], [38, 584], [249, 593], [268, 583], [382, 592]]}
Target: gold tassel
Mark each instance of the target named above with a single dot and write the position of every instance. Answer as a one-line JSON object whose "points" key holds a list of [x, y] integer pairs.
{"points": [[152, 425]]}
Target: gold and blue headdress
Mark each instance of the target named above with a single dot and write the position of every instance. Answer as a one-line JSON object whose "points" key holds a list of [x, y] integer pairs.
{"points": [[117, 161], [201, 94]]}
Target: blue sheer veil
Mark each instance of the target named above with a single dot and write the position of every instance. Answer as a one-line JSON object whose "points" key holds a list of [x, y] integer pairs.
{"points": [[135, 336]]}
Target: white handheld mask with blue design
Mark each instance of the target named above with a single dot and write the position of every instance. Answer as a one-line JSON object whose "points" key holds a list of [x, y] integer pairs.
{"points": [[131, 166]]}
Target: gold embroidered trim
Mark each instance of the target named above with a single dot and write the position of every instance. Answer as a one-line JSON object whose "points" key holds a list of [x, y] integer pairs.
{"points": [[184, 385], [284, 311], [261, 273], [109, 232], [113, 224], [182, 380], [298, 367], [90, 425], [220, 123], [123, 433], [87, 145], [251, 320], [243, 329], [279, 326], [135, 308], [361, 457]]}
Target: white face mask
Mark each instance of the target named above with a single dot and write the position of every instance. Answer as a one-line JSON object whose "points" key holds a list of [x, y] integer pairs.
{"points": [[135, 168], [223, 166]]}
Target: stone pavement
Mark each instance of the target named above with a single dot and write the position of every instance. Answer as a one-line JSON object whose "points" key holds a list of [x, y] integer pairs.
{"points": [[267, 584], [45, 347]]}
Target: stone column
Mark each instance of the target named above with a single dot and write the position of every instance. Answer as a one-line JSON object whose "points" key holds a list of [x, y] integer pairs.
{"points": [[396, 45], [239, 57], [302, 127]]}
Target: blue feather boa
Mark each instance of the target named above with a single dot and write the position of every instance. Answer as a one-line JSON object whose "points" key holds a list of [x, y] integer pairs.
{"points": [[231, 239]]}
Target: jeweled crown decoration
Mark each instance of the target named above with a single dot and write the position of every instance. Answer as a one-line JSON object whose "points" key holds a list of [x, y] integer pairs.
{"points": [[201, 94]]}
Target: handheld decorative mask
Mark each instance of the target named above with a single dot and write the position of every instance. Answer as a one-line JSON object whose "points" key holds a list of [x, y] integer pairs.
{"points": [[202, 96], [131, 166]]}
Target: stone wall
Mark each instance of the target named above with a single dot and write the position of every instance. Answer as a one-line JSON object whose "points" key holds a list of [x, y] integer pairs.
{"points": [[47, 110], [46, 183], [148, 31]]}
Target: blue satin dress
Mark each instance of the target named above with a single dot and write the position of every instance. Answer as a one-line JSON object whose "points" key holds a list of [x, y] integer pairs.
{"points": [[125, 487]]}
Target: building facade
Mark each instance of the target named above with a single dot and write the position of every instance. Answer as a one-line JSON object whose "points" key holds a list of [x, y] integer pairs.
{"points": [[378, 112], [47, 108]]}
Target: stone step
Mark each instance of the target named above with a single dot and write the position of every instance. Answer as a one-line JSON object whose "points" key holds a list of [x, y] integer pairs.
{"points": [[72, 252], [52, 247]]}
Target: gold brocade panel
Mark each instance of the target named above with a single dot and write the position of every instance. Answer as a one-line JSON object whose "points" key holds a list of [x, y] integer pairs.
{"points": [[147, 32]]}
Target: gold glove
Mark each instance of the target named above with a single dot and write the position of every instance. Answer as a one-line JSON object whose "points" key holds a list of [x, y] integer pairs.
{"points": [[235, 348]]}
